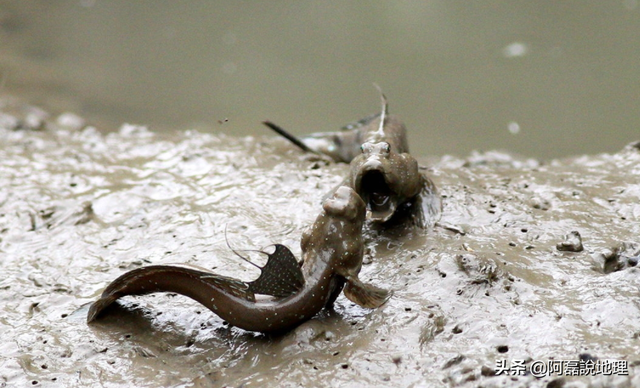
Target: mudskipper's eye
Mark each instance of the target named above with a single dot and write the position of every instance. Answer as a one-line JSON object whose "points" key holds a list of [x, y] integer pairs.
{"points": [[387, 148]]}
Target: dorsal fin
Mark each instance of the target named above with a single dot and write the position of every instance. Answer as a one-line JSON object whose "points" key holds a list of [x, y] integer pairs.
{"points": [[277, 129], [281, 276], [360, 123], [383, 113]]}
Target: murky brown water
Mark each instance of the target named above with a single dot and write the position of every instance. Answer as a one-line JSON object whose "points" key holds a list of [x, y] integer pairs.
{"points": [[542, 79], [78, 208]]}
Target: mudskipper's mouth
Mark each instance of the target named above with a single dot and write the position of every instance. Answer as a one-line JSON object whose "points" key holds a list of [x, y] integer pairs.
{"points": [[375, 192]]}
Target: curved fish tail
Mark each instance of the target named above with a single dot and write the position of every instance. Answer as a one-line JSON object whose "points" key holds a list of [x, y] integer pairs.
{"points": [[195, 283], [98, 306]]}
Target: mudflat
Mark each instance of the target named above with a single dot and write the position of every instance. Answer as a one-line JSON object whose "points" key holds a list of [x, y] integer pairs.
{"points": [[531, 261]]}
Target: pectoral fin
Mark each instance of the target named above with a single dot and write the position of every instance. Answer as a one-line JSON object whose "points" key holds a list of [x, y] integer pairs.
{"points": [[365, 295], [427, 207]]}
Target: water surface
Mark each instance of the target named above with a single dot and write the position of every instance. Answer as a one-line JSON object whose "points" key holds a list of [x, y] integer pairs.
{"points": [[542, 79]]}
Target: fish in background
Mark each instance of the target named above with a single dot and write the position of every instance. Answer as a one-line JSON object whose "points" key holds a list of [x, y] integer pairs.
{"points": [[382, 171]]}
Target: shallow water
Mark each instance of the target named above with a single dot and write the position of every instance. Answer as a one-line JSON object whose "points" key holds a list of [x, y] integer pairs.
{"points": [[541, 79], [78, 208]]}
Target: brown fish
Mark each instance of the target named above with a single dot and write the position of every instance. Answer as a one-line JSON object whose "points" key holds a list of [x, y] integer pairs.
{"points": [[332, 257], [381, 169]]}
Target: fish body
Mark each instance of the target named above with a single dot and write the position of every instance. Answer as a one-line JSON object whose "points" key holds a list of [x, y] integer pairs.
{"points": [[344, 145], [332, 253], [381, 169]]}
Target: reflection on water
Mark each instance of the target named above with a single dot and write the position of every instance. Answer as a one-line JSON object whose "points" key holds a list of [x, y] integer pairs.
{"points": [[544, 79]]}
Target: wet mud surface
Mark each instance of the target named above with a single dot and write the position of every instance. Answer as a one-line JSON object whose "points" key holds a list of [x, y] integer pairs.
{"points": [[530, 260]]}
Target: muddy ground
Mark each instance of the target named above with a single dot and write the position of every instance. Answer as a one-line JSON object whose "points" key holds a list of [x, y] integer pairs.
{"points": [[495, 279]]}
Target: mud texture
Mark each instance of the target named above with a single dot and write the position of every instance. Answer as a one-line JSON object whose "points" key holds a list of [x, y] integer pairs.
{"points": [[491, 281]]}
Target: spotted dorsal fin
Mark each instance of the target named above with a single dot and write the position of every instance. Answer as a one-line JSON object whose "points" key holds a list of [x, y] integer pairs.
{"points": [[281, 276]]}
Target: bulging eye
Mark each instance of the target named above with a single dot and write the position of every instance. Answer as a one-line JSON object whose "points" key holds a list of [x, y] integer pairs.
{"points": [[387, 148]]}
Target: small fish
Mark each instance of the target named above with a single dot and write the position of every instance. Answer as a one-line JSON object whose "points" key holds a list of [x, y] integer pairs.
{"points": [[381, 169], [332, 257]]}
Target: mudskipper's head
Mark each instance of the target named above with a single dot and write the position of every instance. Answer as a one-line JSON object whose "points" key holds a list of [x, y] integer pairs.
{"points": [[345, 204], [384, 179]]}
